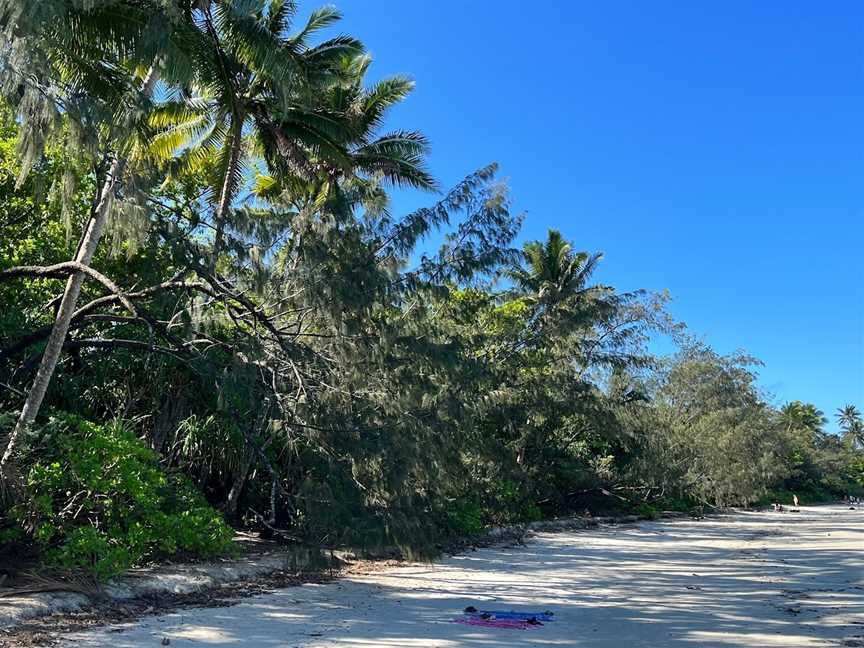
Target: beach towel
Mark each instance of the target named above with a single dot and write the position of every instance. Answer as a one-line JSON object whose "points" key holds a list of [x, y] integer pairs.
{"points": [[510, 624], [519, 616]]}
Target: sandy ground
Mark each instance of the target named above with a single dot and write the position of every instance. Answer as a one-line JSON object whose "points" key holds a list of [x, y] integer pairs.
{"points": [[747, 579]]}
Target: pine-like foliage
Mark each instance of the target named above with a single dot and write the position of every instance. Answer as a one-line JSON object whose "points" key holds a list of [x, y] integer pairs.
{"points": [[326, 370]]}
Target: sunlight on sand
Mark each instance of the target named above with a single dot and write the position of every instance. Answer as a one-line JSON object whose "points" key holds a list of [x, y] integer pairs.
{"points": [[747, 579]]}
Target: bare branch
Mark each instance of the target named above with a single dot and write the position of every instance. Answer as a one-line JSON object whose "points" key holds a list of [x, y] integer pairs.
{"points": [[59, 270]]}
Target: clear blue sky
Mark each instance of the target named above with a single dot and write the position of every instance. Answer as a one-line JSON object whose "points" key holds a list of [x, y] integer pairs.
{"points": [[711, 148]]}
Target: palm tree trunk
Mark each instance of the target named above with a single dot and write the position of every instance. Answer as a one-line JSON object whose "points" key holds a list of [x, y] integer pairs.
{"points": [[86, 250], [227, 193]]}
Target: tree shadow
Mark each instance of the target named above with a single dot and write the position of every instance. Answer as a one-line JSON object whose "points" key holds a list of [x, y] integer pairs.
{"points": [[745, 580]]}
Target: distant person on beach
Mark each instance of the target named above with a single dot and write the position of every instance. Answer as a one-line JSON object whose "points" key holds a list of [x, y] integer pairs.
{"points": [[794, 500]]}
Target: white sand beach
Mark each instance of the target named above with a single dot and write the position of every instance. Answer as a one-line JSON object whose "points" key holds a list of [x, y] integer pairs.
{"points": [[745, 579]]}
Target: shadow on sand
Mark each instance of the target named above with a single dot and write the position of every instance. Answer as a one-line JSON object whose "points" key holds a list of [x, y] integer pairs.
{"points": [[743, 580]]}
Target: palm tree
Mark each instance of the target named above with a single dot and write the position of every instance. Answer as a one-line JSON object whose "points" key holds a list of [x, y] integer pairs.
{"points": [[803, 416], [804, 422], [848, 416], [552, 271], [556, 282], [852, 424], [257, 92], [395, 158]]}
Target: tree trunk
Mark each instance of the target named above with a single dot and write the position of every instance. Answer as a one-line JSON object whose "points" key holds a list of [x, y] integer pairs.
{"points": [[84, 255], [89, 243], [237, 489], [227, 193]]}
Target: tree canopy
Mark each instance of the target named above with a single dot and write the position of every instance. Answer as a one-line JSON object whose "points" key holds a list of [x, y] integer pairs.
{"points": [[259, 340]]}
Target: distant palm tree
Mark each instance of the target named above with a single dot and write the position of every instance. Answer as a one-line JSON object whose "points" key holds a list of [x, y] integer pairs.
{"points": [[805, 416], [551, 272], [852, 424], [848, 416]]}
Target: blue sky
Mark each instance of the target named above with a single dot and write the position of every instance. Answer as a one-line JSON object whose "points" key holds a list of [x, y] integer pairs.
{"points": [[714, 149]]}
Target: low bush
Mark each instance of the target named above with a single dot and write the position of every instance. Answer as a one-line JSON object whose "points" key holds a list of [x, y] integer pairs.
{"points": [[465, 517], [99, 501], [647, 510]]}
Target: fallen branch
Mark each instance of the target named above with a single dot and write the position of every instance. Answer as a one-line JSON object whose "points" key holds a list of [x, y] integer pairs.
{"points": [[60, 270]]}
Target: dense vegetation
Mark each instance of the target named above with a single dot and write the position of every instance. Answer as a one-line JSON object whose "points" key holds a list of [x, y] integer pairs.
{"points": [[201, 274]]}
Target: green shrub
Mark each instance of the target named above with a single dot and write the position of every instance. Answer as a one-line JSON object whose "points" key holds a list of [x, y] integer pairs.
{"points": [[465, 517], [100, 502], [513, 503], [647, 510]]}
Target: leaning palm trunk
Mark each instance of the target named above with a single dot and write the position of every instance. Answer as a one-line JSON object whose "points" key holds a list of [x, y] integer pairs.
{"points": [[226, 195], [86, 250]]}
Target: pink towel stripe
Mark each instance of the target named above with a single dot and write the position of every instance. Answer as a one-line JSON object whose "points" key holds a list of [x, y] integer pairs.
{"points": [[512, 624]]}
